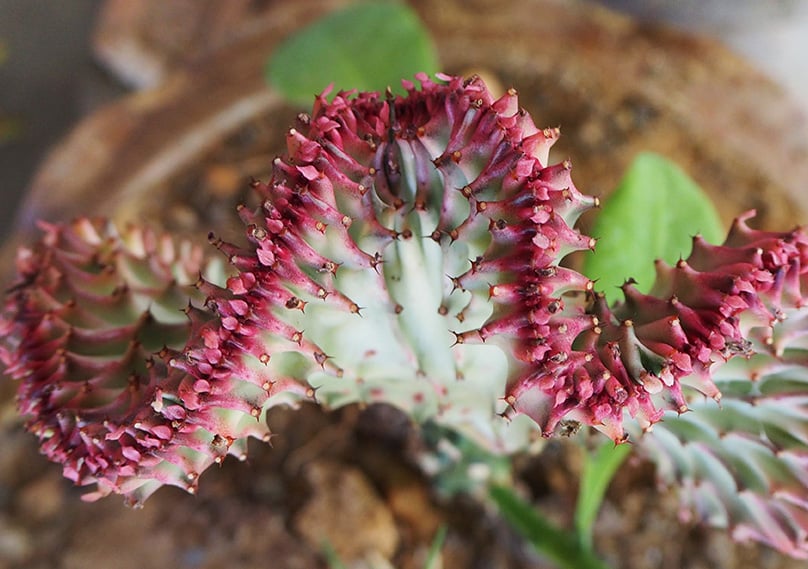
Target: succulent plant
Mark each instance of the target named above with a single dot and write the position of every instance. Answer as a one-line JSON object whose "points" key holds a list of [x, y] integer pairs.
{"points": [[741, 464], [87, 330], [408, 250]]}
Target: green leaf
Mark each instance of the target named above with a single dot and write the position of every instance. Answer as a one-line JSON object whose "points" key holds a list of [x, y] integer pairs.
{"points": [[561, 547], [331, 556], [461, 465], [433, 559], [10, 128], [653, 214], [598, 470], [367, 46]]}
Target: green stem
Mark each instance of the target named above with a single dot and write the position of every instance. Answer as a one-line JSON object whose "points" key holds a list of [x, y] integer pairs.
{"points": [[433, 558], [331, 557], [598, 470], [562, 547]]}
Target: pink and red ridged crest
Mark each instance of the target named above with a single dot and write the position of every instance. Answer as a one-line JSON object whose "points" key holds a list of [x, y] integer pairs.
{"points": [[641, 353], [86, 328], [742, 465], [400, 239], [370, 181]]}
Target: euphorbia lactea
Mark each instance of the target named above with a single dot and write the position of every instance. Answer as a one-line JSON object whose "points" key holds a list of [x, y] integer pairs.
{"points": [[407, 250]]}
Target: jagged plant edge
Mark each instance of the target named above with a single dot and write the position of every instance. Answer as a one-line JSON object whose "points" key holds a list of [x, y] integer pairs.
{"points": [[603, 329]]}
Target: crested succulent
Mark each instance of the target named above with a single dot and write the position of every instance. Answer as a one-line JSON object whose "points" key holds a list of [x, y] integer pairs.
{"points": [[408, 250], [742, 464], [720, 303], [86, 330]]}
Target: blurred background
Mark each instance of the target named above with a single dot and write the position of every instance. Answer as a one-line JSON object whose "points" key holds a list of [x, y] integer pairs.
{"points": [[773, 34], [616, 84], [49, 77]]}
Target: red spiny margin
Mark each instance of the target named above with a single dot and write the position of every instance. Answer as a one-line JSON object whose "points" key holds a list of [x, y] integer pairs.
{"points": [[723, 301], [85, 330], [741, 464], [407, 250], [417, 228]]}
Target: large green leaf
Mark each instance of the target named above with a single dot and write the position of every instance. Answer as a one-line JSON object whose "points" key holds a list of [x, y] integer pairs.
{"points": [[368, 46], [653, 214]]}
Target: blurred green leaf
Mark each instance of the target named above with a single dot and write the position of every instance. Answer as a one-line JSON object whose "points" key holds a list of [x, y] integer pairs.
{"points": [[433, 558], [598, 470], [653, 214], [458, 465], [367, 46], [561, 547], [331, 557], [10, 128]]}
